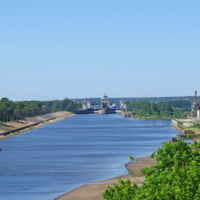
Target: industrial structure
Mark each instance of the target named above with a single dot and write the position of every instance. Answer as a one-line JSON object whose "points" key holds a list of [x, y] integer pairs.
{"points": [[123, 104], [191, 119], [86, 104], [105, 101], [104, 108], [195, 106]]}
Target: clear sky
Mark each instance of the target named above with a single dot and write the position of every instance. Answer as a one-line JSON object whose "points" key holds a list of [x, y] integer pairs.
{"points": [[85, 48]]}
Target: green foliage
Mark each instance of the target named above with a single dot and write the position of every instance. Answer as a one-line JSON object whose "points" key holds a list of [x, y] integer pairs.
{"points": [[178, 103], [65, 105], [175, 176], [131, 158], [189, 136], [146, 109], [182, 112], [123, 191], [10, 110], [197, 125]]}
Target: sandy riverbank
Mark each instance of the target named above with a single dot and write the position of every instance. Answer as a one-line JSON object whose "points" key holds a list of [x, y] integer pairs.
{"points": [[17, 128], [94, 191]]}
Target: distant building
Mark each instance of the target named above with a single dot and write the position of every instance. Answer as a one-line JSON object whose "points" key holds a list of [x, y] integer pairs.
{"points": [[105, 101], [123, 104], [86, 104]]}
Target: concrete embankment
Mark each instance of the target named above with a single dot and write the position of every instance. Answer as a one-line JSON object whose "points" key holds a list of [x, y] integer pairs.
{"points": [[127, 114], [20, 126], [187, 128], [187, 123]]}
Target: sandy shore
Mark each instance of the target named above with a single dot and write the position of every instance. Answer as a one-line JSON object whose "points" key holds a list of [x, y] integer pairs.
{"points": [[94, 191]]}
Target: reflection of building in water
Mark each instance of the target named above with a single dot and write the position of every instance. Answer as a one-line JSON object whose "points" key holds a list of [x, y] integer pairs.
{"points": [[105, 101]]}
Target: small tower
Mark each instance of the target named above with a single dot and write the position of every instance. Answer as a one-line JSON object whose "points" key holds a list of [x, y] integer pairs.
{"points": [[105, 100], [198, 114], [123, 104], [88, 103], [198, 110], [84, 105]]}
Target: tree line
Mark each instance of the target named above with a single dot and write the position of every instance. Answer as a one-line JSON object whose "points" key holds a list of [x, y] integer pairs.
{"points": [[10, 110], [178, 103], [165, 108]]}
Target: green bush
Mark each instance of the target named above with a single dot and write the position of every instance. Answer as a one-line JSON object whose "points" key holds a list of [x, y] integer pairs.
{"points": [[197, 125], [189, 136], [175, 176]]}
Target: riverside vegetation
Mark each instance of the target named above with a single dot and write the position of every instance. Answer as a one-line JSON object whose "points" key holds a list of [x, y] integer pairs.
{"points": [[195, 128], [175, 176], [10, 110], [162, 110]]}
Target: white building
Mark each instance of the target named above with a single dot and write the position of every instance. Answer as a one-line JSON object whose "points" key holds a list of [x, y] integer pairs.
{"points": [[86, 104], [105, 101], [123, 104]]}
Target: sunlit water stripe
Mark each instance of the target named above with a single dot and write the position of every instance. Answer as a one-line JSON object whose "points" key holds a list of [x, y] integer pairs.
{"points": [[56, 158]]}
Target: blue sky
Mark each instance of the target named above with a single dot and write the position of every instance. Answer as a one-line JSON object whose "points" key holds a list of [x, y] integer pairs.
{"points": [[85, 48]]}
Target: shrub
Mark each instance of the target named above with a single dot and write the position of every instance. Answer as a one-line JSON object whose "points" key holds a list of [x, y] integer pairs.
{"points": [[175, 176], [189, 136], [197, 125]]}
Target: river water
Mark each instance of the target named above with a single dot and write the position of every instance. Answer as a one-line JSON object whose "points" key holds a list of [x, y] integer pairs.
{"points": [[47, 162]]}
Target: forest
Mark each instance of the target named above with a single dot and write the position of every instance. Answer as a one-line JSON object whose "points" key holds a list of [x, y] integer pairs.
{"points": [[10, 110], [179, 108]]}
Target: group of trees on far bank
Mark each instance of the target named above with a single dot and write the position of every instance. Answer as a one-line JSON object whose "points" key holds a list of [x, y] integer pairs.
{"points": [[10, 110], [165, 108]]}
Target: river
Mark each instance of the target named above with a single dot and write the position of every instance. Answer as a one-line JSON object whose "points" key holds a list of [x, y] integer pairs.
{"points": [[47, 162]]}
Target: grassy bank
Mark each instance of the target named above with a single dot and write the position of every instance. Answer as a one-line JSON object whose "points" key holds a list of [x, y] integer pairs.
{"points": [[152, 117], [195, 128]]}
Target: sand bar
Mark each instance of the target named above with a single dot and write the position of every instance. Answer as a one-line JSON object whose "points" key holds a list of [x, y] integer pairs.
{"points": [[94, 191]]}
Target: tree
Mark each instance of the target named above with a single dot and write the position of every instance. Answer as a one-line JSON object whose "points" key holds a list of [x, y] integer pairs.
{"points": [[175, 176]]}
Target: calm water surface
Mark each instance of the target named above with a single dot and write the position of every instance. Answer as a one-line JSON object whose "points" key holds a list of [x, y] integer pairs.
{"points": [[56, 158]]}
